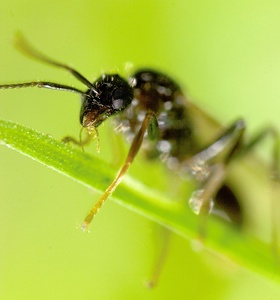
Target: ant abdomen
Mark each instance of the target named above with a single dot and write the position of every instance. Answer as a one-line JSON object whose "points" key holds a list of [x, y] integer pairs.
{"points": [[227, 206]]}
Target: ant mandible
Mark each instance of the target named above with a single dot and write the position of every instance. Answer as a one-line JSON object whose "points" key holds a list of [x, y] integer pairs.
{"points": [[155, 115]]}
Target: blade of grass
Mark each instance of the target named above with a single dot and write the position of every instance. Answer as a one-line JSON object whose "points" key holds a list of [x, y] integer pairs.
{"points": [[91, 171]]}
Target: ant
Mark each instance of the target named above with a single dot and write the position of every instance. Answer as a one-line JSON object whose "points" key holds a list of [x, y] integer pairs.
{"points": [[153, 113]]}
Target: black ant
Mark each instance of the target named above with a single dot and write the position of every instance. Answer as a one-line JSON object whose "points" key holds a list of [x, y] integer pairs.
{"points": [[155, 115]]}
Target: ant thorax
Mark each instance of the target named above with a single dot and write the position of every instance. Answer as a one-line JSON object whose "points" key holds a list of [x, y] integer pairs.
{"points": [[157, 93]]}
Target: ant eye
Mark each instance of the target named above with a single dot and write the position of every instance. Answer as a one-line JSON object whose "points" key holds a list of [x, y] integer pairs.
{"points": [[118, 99]]}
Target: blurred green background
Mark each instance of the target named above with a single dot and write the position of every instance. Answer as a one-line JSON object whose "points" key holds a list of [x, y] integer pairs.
{"points": [[226, 54]]}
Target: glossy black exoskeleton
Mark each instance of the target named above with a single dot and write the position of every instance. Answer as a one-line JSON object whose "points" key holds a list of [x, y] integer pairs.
{"points": [[109, 95]]}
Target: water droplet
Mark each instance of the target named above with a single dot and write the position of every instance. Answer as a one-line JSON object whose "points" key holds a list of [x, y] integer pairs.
{"points": [[84, 227], [196, 201]]}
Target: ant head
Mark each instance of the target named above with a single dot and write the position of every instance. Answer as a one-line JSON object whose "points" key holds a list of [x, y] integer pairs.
{"points": [[110, 94]]}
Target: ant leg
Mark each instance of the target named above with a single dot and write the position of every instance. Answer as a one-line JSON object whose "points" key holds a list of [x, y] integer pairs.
{"points": [[91, 133], [209, 167], [201, 200], [275, 149], [218, 150], [135, 146], [153, 281], [26, 48]]}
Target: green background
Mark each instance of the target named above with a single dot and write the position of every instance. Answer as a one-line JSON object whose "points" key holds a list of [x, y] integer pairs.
{"points": [[226, 54]]}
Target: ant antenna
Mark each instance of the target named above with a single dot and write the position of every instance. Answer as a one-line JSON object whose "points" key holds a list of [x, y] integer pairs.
{"points": [[23, 46]]}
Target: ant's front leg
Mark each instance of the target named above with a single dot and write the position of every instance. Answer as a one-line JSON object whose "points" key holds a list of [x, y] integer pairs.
{"points": [[91, 133], [149, 124]]}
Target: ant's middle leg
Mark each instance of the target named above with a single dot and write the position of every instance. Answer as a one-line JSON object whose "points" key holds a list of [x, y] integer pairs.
{"points": [[209, 168]]}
